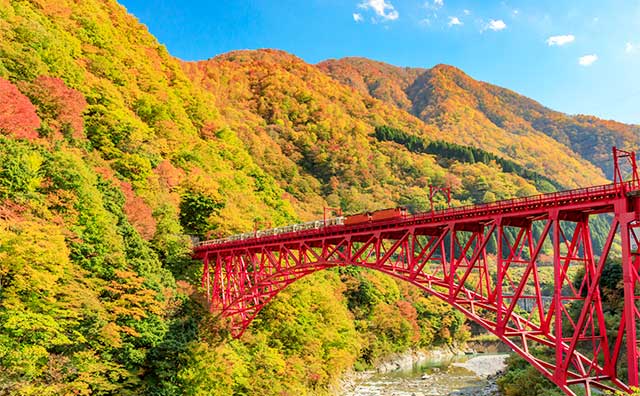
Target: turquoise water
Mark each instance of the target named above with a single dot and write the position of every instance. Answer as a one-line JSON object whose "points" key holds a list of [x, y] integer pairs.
{"points": [[434, 377]]}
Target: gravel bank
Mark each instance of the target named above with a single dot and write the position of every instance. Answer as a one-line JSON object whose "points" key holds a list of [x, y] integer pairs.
{"points": [[484, 366]]}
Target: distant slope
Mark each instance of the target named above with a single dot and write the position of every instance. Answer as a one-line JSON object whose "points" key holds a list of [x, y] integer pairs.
{"points": [[378, 79], [486, 115], [310, 131], [289, 112]]}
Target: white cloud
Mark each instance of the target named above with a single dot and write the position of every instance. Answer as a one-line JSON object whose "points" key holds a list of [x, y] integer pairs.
{"points": [[384, 10], [454, 21], [466, 12], [560, 40], [433, 5], [357, 17], [587, 60], [496, 25], [631, 48]]}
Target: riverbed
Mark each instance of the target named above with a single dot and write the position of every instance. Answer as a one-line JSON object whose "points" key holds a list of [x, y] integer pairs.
{"points": [[434, 376]]}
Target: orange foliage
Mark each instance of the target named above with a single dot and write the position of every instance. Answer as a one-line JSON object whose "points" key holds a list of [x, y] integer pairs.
{"points": [[138, 212], [208, 130], [17, 114], [492, 118], [60, 105], [380, 80], [168, 175], [408, 311], [105, 172], [11, 211]]}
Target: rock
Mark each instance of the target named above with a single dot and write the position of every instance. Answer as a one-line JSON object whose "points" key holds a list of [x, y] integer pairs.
{"points": [[484, 366]]}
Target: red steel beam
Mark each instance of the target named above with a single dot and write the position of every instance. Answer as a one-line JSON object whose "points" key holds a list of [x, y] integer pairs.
{"points": [[445, 254]]}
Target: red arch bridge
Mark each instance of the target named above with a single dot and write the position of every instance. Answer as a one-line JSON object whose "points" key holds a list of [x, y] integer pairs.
{"points": [[445, 253]]}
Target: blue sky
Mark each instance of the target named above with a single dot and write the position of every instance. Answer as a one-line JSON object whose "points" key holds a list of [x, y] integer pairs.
{"points": [[573, 56]]}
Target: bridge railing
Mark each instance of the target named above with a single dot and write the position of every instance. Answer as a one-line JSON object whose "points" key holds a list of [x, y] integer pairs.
{"points": [[309, 225], [542, 199], [504, 205]]}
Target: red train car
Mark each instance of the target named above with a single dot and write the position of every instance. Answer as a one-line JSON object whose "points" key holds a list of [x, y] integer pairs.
{"points": [[389, 214], [379, 215], [357, 219]]}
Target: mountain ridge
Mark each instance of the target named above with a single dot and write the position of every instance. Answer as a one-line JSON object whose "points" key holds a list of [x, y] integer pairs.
{"points": [[562, 164], [300, 116], [432, 92]]}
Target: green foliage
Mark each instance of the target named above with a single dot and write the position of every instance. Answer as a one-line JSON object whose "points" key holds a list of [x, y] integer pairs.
{"points": [[172, 247], [20, 170], [634, 392], [88, 306], [83, 295], [171, 354], [195, 211], [393, 316], [522, 379], [467, 154], [133, 167], [281, 354], [610, 285]]}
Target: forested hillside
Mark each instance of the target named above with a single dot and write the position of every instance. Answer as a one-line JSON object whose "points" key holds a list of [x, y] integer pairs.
{"points": [[113, 154], [485, 115], [316, 134], [111, 158]]}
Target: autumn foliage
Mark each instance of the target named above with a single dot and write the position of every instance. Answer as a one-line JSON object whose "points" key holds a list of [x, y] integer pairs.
{"points": [[59, 105], [493, 118], [168, 175], [113, 154], [138, 212], [18, 116]]}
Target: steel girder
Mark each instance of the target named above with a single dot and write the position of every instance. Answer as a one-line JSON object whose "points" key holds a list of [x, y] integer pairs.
{"points": [[449, 258]]}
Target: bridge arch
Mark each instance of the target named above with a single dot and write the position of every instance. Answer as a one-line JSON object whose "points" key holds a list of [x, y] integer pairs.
{"points": [[447, 255]]}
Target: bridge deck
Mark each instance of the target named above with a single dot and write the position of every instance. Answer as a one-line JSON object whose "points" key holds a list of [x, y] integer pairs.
{"points": [[596, 199], [447, 254]]}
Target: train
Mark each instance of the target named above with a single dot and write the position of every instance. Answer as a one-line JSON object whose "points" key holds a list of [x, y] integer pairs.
{"points": [[350, 220], [378, 215]]}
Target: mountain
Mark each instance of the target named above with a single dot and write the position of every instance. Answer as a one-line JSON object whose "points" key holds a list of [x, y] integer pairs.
{"points": [[485, 115], [317, 134], [114, 155]]}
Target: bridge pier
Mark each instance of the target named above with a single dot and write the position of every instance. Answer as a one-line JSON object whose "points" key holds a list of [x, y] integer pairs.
{"points": [[629, 221]]}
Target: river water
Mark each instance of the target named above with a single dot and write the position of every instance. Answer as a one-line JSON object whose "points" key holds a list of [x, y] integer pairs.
{"points": [[439, 376]]}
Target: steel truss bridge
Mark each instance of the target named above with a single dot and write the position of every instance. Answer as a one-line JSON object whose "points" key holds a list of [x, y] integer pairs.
{"points": [[446, 254]]}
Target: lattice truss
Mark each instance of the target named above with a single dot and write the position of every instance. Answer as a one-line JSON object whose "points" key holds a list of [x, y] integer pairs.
{"points": [[558, 325], [502, 292]]}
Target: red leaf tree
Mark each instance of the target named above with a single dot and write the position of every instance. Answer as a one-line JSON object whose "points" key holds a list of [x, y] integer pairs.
{"points": [[59, 105], [168, 175], [138, 212], [18, 116]]}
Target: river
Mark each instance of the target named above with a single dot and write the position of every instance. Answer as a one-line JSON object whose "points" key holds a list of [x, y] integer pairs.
{"points": [[434, 376]]}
